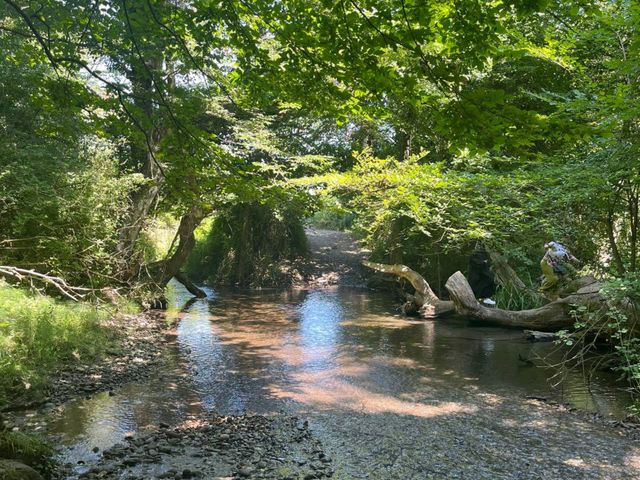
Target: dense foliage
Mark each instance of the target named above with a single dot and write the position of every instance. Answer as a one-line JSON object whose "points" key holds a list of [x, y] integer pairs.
{"points": [[431, 126], [250, 245]]}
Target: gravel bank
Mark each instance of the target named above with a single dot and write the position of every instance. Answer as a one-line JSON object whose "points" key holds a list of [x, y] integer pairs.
{"points": [[143, 341], [245, 446]]}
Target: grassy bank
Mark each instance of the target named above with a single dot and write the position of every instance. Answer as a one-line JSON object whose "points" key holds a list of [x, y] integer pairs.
{"points": [[39, 334]]}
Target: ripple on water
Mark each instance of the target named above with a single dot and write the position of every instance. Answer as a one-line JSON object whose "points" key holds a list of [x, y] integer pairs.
{"points": [[343, 350]]}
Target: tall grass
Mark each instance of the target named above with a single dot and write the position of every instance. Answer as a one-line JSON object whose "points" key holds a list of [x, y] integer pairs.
{"points": [[512, 298], [30, 449], [39, 334]]}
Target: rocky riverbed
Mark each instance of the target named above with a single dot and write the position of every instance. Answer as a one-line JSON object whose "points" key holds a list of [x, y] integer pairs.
{"points": [[140, 351], [219, 447]]}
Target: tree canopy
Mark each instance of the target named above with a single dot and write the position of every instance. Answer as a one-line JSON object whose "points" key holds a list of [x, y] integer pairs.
{"points": [[437, 124]]}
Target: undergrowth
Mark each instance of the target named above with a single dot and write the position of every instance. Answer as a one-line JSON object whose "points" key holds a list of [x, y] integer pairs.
{"points": [[609, 332], [331, 216], [39, 334], [249, 245], [512, 298], [30, 449]]}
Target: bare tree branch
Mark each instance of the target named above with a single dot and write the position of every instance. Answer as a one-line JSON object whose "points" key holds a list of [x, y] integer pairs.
{"points": [[22, 275]]}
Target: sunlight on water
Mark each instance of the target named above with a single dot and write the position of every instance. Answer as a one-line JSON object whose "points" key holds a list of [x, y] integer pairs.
{"points": [[343, 350]]}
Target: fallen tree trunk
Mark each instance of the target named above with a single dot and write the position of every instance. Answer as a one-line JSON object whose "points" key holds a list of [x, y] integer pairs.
{"points": [[427, 302], [553, 316], [536, 336]]}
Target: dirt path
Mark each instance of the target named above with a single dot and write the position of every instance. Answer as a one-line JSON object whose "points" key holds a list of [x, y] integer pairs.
{"points": [[335, 259]]}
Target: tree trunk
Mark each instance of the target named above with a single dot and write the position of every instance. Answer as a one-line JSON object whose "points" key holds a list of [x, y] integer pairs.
{"points": [[190, 286], [403, 144], [143, 159], [427, 302], [505, 275], [172, 266], [186, 240], [536, 336], [633, 226], [613, 244], [141, 203], [550, 317]]}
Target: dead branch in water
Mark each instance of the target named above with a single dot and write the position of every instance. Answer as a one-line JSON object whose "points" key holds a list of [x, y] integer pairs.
{"points": [[426, 301]]}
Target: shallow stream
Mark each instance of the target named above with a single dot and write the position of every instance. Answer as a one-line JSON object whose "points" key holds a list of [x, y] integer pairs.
{"points": [[348, 361]]}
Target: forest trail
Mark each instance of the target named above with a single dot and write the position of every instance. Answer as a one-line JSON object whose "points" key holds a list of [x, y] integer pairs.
{"points": [[335, 259]]}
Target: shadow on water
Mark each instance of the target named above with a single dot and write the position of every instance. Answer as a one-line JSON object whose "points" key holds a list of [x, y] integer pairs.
{"points": [[344, 351]]}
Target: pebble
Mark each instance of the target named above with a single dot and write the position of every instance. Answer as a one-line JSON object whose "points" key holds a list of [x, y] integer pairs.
{"points": [[258, 446]]}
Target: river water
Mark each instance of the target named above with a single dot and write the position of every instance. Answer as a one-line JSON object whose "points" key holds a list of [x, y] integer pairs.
{"points": [[358, 370]]}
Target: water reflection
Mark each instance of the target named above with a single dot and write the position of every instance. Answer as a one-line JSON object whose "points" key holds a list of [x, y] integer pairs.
{"points": [[321, 313], [200, 347], [341, 350]]}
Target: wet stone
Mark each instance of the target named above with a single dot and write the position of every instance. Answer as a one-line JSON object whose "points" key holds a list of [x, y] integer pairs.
{"points": [[259, 447]]}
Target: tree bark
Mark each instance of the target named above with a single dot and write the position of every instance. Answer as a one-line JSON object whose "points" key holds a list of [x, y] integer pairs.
{"points": [[403, 144], [142, 157], [505, 275], [550, 317], [186, 240], [190, 286], [172, 266], [633, 224], [428, 303], [613, 245]]}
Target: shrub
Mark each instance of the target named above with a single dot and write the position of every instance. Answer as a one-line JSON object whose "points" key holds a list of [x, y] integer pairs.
{"points": [[249, 244]]}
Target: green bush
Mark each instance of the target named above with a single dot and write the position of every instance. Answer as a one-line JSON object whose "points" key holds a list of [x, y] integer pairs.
{"points": [[614, 324], [623, 298], [512, 298], [249, 244], [331, 216], [62, 216]]}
